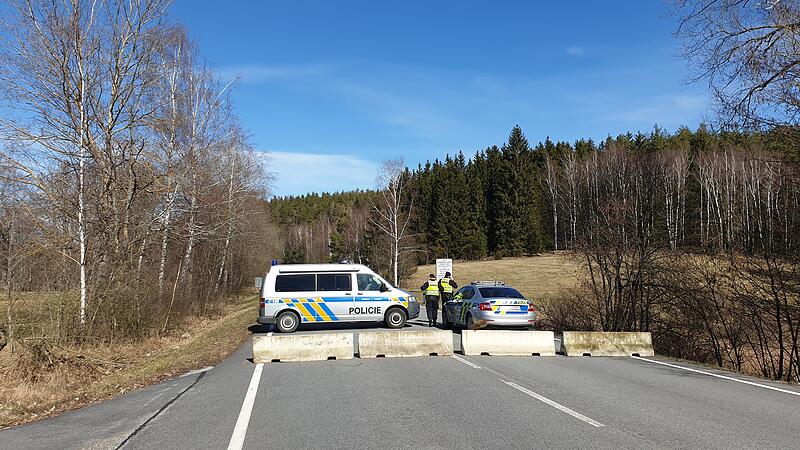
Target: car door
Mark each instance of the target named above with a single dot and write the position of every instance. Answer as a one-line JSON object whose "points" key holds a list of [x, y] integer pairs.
{"points": [[370, 301], [334, 301], [463, 305], [452, 307]]}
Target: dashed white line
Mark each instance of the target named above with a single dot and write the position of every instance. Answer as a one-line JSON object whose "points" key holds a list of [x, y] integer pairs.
{"points": [[555, 405], [240, 431], [458, 358], [772, 388]]}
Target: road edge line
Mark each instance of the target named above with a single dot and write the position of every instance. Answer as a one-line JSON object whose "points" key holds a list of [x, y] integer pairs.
{"points": [[765, 386], [240, 430], [554, 404]]}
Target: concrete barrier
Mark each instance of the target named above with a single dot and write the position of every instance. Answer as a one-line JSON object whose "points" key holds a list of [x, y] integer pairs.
{"points": [[302, 347], [508, 343], [393, 344], [596, 343]]}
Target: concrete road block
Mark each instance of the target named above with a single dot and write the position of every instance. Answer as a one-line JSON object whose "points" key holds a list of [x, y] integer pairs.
{"points": [[394, 344], [508, 342], [302, 347], [596, 343]]}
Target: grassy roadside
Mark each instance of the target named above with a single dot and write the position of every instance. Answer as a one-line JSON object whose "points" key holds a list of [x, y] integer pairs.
{"points": [[95, 373]]}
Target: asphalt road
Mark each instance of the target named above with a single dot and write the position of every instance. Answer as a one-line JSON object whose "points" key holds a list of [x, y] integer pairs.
{"points": [[436, 402]]}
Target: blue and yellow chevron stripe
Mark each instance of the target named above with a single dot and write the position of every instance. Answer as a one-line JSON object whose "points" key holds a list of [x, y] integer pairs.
{"points": [[314, 309]]}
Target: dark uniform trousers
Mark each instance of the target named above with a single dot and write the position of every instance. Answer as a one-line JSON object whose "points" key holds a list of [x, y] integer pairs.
{"points": [[432, 307], [446, 297]]}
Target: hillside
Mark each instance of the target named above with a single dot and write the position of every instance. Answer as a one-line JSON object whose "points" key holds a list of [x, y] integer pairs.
{"points": [[534, 276]]}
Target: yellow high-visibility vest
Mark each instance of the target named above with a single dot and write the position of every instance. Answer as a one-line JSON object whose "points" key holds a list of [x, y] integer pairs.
{"points": [[446, 288], [432, 289]]}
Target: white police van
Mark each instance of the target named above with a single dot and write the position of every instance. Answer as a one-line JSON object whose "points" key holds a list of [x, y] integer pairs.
{"points": [[292, 294]]}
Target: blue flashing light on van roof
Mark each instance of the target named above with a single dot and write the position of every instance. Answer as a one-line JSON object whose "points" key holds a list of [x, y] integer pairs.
{"points": [[274, 262]]}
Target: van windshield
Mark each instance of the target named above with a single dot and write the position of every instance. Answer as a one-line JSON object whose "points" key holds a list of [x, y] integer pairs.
{"points": [[495, 292]]}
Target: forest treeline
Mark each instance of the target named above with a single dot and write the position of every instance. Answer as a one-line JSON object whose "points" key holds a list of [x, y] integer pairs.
{"points": [[693, 189], [130, 197], [692, 235]]}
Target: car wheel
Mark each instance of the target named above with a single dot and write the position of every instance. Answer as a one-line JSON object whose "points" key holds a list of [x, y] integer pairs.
{"points": [[470, 323], [395, 318], [446, 320], [287, 322]]}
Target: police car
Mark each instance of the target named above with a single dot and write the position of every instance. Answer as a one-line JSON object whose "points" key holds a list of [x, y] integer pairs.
{"points": [[292, 294], [488, 303]]}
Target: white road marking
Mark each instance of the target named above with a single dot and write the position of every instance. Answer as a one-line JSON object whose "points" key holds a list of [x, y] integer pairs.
{"points": [[195, 372], [773, 388], [458, 358], [269, 334], [240, 431], [555, 405]]}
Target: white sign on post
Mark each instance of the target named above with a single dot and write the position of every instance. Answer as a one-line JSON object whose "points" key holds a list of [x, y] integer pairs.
{"points": [[442, 266]]}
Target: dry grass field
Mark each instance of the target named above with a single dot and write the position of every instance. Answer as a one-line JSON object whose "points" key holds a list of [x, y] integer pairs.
{"points": [[77, 376], [535, 276]]}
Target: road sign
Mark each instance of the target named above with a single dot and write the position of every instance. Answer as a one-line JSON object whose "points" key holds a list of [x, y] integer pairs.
{"points": [[442, 266]]}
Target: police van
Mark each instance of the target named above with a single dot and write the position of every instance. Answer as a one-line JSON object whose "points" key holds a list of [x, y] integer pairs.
{"points": [[292, 294]]}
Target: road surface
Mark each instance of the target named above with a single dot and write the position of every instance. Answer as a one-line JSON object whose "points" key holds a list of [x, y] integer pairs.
{"points": [[435, 402]]}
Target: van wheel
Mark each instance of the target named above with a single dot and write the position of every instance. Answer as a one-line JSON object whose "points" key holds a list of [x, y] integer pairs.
{"points": [[287, 322], [395, 318]]}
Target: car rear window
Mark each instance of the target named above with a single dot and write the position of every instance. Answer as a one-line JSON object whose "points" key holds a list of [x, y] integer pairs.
{"points": [[494, 292], [296, 283], [334, 282]]}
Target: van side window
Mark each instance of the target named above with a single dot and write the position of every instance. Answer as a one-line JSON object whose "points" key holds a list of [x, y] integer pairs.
{"points": [[334, 282], [368, 282], [295, 283]]}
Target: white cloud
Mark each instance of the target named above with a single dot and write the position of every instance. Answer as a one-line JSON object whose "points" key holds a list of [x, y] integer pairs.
{"points": [[575, 50], [298, 173], [689, 102], [260, 73], [667, 109], [409, 111]]}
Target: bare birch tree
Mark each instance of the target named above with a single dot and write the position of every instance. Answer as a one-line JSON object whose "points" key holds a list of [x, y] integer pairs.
{"points": [[552, 180], [747, 52], [392, 213], [125, 142]]}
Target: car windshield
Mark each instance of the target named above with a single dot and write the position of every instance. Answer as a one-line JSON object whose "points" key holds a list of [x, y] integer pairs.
{"points": [[494, 292]]}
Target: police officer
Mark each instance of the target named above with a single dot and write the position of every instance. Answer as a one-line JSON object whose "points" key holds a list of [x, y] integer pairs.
{"points": [[430, 289], [446, 287]]}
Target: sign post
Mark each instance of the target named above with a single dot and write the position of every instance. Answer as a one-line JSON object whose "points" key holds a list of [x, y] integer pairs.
{"points": [[442, 266]]}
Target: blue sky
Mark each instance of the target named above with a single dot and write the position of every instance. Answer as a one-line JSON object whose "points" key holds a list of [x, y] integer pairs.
{"points": [[330, 88]]}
